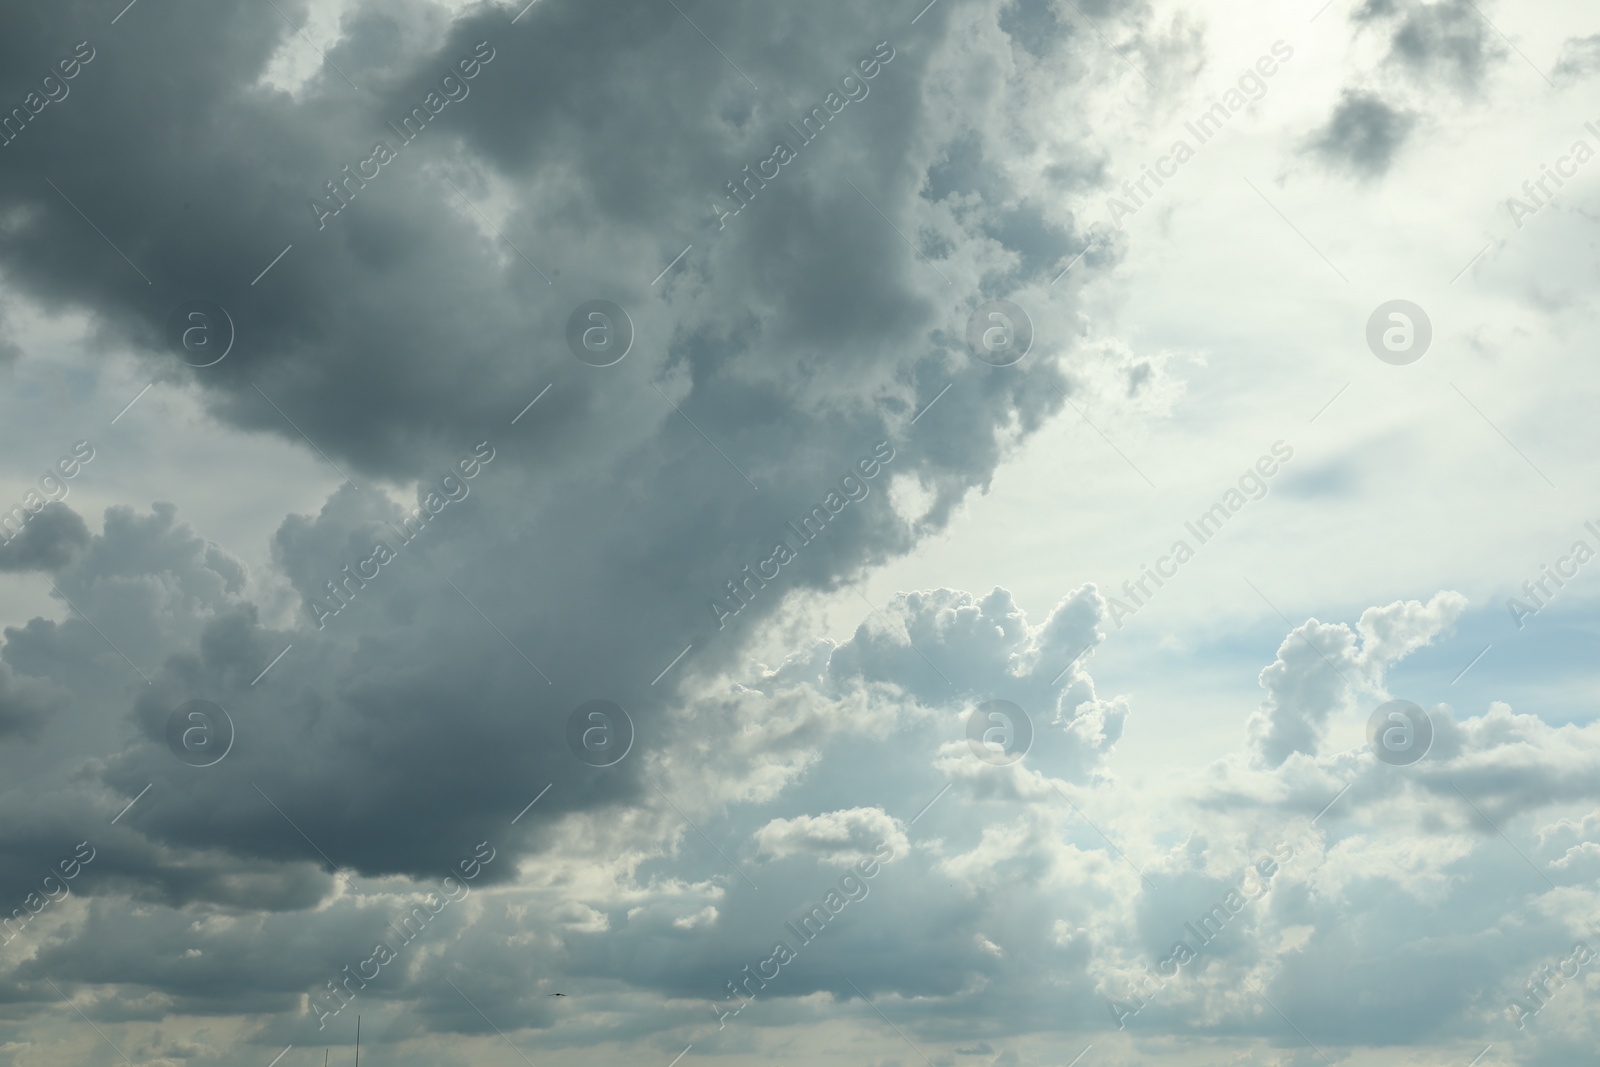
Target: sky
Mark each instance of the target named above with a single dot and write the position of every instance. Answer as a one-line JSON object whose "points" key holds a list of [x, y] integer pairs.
{"points": [[1050, 533]]}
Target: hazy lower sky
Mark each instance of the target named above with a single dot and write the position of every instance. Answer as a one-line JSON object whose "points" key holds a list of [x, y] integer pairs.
{"points": [[1050, 533]]}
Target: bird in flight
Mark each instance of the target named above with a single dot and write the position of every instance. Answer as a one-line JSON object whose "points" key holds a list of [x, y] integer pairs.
{"points": [[555, 994]]}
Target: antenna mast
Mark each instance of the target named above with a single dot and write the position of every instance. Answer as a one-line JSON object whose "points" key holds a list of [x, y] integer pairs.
{"points": [[358, 1041]]}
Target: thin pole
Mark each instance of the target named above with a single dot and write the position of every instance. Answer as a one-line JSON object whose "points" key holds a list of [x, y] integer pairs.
{"points": [[358, 1041]]}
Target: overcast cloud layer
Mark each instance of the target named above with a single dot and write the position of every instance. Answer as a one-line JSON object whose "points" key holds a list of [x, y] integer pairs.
{"points": [[1043, 533]]}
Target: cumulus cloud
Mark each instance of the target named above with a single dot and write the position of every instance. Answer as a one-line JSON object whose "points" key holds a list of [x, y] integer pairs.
{"points": [[1322, 665]]}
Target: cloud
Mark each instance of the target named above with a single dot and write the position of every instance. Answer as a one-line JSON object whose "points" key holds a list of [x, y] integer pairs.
{"points": [[377, 747], [48, 541], [24, 705], [334, 355], [408, 330], [838, 838], [1322, 665], [1364, 134], [1447, 41], [1580, 57], [985, 909]]}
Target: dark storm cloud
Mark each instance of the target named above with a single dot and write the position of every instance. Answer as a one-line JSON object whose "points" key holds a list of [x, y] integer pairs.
{"points": [[613, 180], [384, 384], [1363, 134], [404, 333], [797, 340], [1448, 41]]}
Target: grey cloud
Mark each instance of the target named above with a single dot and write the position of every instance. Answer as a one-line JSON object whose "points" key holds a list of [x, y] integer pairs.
{"points": [[1448, 41], [1327, 479], [410, 727], [1035, 25], [48, 541], [24, 705], [10, 351], [1580, 57], [983, 642], [413, 725], [826, 283], [844, 740], [1420, 852], [1364, 134]]}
